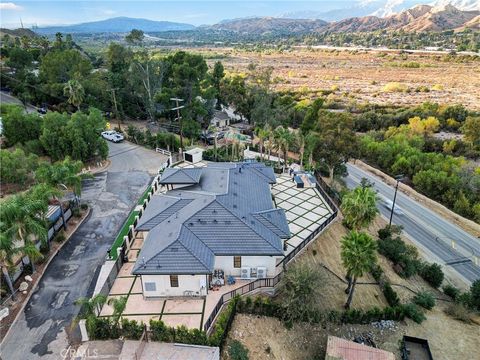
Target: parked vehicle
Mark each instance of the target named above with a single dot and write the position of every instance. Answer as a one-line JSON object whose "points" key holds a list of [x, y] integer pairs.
{"points": [[42, 110], [112, 136]]}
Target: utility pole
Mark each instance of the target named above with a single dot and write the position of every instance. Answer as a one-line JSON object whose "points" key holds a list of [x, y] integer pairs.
{"points": [[179, 118], [398, 178], [115, 105]]}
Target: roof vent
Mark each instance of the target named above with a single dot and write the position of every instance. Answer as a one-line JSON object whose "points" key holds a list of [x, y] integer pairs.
{"points": [[215, 221], [235, 183], [243, 217], [227, 222], [170, 235], [235, 194], [174, 249], [190, 224], [252, 222], [214, 211], [143, 262], [234, 206]]}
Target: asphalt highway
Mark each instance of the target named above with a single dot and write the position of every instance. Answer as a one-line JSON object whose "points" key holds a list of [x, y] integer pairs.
{"points": [[428, 230]]}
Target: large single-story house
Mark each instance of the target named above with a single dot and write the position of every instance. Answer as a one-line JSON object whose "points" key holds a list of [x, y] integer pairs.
{"points": [[212, 223]]}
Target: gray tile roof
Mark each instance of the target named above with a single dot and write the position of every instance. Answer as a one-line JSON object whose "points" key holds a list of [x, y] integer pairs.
{"points": [[228, 212], [181, 176]]}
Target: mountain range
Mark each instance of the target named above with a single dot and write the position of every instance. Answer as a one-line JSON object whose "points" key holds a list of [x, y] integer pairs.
{"points": [[442, 16], [116, 25]]}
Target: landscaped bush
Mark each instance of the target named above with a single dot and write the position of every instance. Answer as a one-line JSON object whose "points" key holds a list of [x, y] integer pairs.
{"points": [[131, 329], [425, 300], [404, 256], [237, 351], [475, 294], [60, 237], [390, 295], [102, 328], [413, 312], [451, 291], [161, 332], [223, 323], [376, 272], [433, 274]]}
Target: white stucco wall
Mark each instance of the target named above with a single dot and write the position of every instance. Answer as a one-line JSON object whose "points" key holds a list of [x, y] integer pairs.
{"points": [[185, 283], [226, 264]]}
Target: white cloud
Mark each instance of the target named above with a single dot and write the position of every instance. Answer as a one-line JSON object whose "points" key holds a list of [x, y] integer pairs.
{"points": [[10, 6], [109, 12]]}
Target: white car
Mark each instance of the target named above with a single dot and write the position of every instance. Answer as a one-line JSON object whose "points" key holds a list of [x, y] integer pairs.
{"points": [[389, 204], [112, 136]]}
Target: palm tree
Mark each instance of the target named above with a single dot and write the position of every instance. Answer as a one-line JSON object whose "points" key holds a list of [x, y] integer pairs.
{"points": [[75, 92], [118, 305], [7, 252], [359, 207], [283, 140], [23, 216], [358, 255], [262, 134], [301, 145], [90, 307]]}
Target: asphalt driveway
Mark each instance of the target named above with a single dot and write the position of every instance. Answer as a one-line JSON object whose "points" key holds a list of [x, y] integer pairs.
{"points": [[41, 330]]}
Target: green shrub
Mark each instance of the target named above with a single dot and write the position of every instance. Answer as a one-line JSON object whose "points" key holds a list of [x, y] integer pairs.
{"points": [[223, 322], [161, 332], [84, 206], [475, 294], [102, 328], [237, 351], [60, 237], [433, 274], [390, 295], [376, 272], [404, 256], [413, 312], [451, 291], [132, 329], [425, 300]]}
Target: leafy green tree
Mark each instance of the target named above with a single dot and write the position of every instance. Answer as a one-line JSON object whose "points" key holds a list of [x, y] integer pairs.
{"points": [[217, 76], [299, 288], [54, 136], [283, 139], [358, 256], [118, 305], [19, 127], [135, 36], [237, 351], [475, 294], [75, 92], [359, 207], [7, 251], [16, 167], [336, 139], [21, 222], [471, 131]]}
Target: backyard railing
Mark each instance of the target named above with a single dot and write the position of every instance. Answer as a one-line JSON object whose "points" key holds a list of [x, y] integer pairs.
{"points": [[245, 289], [333, 202]]}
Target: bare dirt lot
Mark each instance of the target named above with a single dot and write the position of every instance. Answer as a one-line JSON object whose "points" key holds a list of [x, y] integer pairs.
{"points": [[267, 338], [361, 75]]}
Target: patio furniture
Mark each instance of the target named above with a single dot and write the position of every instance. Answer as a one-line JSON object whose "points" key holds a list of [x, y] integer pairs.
{"points": [[230, 280]]}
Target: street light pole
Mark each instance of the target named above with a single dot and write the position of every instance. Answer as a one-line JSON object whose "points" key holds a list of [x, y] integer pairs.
{"points": [[398, 178]]}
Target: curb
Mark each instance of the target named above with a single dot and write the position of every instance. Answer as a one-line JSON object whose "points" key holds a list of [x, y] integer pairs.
{"points": [[34, 288]]}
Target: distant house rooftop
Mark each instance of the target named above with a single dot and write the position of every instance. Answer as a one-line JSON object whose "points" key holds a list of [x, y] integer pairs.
{"points": [[224, 209], [341, 349]]}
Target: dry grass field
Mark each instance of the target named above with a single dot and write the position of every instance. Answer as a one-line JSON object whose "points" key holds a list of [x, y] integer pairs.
{"points": [[361, 76]]}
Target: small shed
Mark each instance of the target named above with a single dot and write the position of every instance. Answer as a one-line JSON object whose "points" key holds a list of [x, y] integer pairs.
{"points": [[193, 156], [220, 119]]}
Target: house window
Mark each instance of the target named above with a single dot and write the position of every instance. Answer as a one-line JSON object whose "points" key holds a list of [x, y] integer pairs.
{"points": [[237, 261], [150, 286], [173, 280]]}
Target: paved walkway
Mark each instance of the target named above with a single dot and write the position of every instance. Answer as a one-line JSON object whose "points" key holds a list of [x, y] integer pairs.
{"points": [[41, 330]]}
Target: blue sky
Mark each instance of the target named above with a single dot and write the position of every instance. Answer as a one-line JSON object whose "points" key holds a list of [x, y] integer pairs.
{"points": [[196, 12]]}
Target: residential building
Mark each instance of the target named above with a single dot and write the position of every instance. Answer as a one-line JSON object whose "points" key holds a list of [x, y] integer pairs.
{"points": [[213, 223]]}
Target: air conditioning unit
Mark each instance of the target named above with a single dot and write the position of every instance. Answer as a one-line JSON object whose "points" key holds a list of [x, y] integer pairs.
{"points": [[261, 272], [245, 273]]}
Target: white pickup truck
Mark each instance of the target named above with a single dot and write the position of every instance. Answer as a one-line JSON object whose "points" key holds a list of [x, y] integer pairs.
{"points": [[112, 136]]}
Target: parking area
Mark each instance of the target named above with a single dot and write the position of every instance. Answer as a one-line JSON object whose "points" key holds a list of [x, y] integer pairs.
{"points": [[305, 209]]}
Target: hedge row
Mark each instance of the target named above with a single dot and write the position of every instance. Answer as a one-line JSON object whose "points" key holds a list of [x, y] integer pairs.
{"points": [[264, 306]]}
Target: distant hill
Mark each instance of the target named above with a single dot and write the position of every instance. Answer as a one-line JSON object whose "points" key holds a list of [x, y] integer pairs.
{"points": [[264, 25], [18, 32], [116, 25], [418, 18]]}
